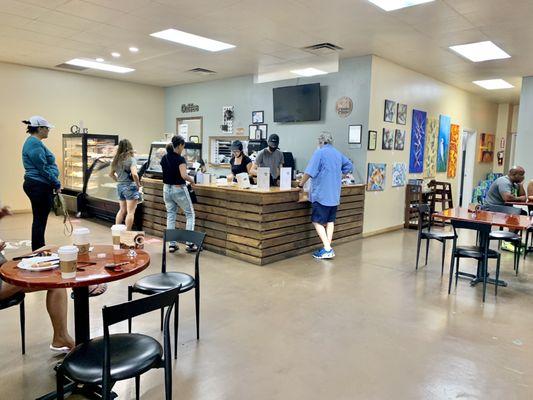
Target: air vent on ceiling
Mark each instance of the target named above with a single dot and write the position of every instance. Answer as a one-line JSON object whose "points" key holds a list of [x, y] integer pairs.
{"points": [[71, 67], [322, 49], [202, 71]]}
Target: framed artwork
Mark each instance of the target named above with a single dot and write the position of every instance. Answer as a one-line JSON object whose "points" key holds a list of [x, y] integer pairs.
{"points": [[486, 148], [430, 158], [399, 139], [258, 132], [399, 174], [372, 140], [387, 140], [258, 117], [376, 177], [354, 134], [443, 143], [390, 111], [418, 141], [454, 148], [401, 114]]}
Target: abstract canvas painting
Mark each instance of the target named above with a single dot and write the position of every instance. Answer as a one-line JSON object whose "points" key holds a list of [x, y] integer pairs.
{"points": [[486, 148], [399, 139], [418, 141], [376, 177], [387, 141], [399, 174], [430, 157], [443, 143], [454, 148], [390, 111], [401, 114]]}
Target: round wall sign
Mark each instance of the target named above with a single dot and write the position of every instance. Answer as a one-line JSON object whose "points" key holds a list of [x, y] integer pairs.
{"points": [[344, 106]]}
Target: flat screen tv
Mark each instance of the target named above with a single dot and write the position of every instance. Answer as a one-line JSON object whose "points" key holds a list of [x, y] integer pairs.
{"points": [[297, 103]]}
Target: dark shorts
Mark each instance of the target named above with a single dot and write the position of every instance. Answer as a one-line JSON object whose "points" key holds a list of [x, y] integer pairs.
{"points": [[323, 214]]}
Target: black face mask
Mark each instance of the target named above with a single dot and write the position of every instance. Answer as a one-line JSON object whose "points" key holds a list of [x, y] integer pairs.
{"points": [[272, 149]]}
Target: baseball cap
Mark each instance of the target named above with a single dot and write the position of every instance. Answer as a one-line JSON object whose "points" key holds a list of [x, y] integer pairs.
{"points": [[236, 145], [37, 121], [274, 139]]}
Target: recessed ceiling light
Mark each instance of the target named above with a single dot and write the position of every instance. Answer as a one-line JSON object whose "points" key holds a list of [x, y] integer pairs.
{"points": [[115, 54], [494, 84], [134, 49], [308, 72], [100, 59], [391, 5], [189, 39], [98, 65], [480, 51]]}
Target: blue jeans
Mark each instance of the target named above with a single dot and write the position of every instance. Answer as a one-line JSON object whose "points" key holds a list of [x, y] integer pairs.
{"points": [[178, 196]]}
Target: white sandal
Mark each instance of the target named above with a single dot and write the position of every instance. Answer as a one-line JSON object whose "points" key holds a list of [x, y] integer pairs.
{"points": [[63, 349]]}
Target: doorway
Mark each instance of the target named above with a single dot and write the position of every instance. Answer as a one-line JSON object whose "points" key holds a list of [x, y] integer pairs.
{"points": [[466, 183], [190, 128]]}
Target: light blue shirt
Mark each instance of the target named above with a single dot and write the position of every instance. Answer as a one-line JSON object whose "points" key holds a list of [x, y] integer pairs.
{"points": [[39, 162], [326, 168]]}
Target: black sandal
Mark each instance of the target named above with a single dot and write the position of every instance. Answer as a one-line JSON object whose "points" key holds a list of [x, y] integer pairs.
{"points": [[173, 248]]}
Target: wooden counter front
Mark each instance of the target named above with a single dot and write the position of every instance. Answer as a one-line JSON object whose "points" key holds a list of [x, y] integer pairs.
{"points": [[256, 226]]}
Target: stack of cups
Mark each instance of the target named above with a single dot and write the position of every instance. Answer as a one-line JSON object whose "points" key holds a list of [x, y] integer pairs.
{"points": [[116, 230], [81, 240], [68, 261]]}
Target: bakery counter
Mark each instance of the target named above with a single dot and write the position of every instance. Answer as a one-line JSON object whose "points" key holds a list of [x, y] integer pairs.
{"points": [[260, 227]]}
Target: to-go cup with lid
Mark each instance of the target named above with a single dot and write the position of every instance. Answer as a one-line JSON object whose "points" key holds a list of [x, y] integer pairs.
{"points": [[68, 261], [81, 239], [116, 230]]}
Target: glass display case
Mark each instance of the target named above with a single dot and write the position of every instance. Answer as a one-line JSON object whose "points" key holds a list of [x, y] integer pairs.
{"points": [[157, 151], [79, 153]]}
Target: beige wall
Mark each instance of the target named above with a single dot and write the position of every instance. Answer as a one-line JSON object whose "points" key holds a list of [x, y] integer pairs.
{"points": [[105, 106], [503, 128], [385, 209]]}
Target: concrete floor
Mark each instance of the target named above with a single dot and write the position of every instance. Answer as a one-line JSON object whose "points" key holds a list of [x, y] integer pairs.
{"points": [[364, 326]]}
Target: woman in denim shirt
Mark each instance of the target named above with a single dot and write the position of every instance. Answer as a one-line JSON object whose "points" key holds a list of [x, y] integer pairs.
{"points": [[124, 172], [175, 192]]}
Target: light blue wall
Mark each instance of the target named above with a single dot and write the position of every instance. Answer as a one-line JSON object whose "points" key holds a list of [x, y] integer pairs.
{"points": [[524, 139], [353, 80]]}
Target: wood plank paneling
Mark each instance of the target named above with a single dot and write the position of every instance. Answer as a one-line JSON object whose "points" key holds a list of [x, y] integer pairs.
{"points": [[256, 227]]}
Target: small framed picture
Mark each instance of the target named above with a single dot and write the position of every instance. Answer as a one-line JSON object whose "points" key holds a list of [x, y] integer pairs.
{"points": [[264, 131], [390, 111], [354, 134], [387, 141], [258, 131], [258, 117], [401, 114], [372, 140], [251, 132]]}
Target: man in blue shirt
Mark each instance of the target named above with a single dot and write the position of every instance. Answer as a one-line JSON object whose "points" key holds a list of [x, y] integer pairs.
{"points": [[326, 167]]}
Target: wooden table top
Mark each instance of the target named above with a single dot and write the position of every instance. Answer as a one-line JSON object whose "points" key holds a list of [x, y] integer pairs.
{"points": [[519, 203], [513, 222], [91, 274]]}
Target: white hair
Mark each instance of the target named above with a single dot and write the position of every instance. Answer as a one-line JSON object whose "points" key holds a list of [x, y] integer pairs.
{"points": [[325, 138]]}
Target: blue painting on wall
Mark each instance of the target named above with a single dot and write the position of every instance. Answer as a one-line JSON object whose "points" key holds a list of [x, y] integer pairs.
{"points": [[418, 142], [443, 143]]}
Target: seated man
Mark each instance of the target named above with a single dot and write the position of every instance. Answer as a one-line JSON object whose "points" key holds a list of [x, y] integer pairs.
{"points": [[56, 304], [530, 191], [506, 189]]}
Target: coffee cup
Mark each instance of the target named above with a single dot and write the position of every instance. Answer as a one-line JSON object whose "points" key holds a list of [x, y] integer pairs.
{"points": [[116, 230], [81, 240], [68, 260]]}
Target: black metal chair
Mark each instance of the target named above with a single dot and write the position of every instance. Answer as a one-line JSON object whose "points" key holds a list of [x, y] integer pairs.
{"points": [[514, 238], [528, 248], [17, 299], [425, 220], [156, 283], [480, 252], [111, 358]]}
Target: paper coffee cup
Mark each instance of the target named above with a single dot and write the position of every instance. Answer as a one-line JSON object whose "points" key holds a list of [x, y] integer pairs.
{"points": [[116, 230], [68, 260], [81, 240]]}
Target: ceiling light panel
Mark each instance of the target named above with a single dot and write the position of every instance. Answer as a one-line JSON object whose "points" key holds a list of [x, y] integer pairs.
{"points": [[480, 51], [188, 39], [494, 84], [99, 65], [391, 5], [308, 72]]}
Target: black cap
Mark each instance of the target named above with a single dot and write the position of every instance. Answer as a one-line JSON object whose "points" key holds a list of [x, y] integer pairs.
{"points": [[274, 139], [236, 145]]}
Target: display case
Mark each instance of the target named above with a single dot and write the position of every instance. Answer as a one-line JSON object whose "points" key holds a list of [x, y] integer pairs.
{"points": [[193, 154], [157, 151], [79, 153]]}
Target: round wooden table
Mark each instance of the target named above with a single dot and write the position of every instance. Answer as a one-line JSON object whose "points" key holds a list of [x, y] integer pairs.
{"points": [[85, 276]]}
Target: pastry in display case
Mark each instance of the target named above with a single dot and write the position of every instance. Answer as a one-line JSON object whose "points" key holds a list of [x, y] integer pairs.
{"points": [[79, 153]]}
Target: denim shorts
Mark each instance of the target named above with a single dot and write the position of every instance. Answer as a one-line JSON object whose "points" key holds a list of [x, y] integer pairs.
{"points": [[128, 191]]}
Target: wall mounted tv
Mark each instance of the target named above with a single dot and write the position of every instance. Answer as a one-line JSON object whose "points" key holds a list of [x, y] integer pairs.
{"points": [[297, 103]]}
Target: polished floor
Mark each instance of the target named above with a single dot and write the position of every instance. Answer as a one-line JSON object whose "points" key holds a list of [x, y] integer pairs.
{"points": [[364, 326]]}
